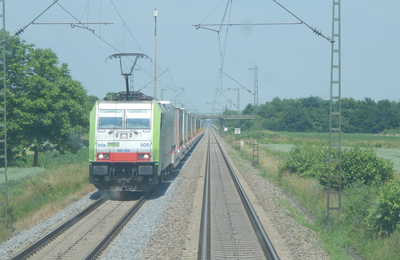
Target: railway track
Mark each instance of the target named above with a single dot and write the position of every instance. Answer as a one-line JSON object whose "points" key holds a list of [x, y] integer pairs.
{"points": [[230, 228], [85, 235]]}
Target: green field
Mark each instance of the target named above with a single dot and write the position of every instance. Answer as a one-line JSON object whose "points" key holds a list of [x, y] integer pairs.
{"points": [[377, 141], [391, 154], [387, 153], [357, 226], [15, 174]]}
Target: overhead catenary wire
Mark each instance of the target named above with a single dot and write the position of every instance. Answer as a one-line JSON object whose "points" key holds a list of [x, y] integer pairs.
{"points": [[201, 26], [26, 26], [220, 92], [237, 82], [317, 32], [122, 19], [223, 50], [86, 27], [82, 25], [133, 37], [153, 80], [222, 47]]}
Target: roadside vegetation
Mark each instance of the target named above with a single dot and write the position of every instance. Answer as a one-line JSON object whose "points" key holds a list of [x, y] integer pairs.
{"points": [[370, 220], [48, 116], [37, 193], [47, 128]]}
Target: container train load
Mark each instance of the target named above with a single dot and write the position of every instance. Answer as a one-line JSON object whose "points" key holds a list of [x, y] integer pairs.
{"points": [[135, 140]]}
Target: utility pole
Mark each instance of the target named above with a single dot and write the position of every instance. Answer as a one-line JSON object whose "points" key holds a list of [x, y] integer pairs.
{"points": [[335, 119], [255, 89], [162, 93], [155, 52], [238, 98], [3, 122]]}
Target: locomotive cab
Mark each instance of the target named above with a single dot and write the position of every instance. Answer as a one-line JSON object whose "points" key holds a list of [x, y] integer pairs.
{"points": [[127, 144]]}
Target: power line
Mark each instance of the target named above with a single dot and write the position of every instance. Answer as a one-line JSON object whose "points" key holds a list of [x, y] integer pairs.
{"points": [[237, 82], [82, 25], [223, 51], [317, 32], [26, 26], [202, 26], [212, 10], [122, 19]]}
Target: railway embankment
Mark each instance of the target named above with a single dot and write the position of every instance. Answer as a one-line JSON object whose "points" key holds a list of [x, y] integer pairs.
{"points": [[164, 226], [37, 193]]}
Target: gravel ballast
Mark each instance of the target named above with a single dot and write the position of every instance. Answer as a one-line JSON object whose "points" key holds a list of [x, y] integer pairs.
{"points": [[160, 230], [23, 239]]}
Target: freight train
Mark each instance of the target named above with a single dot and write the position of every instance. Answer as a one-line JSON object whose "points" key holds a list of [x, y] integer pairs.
{"points": [[135, 140]]}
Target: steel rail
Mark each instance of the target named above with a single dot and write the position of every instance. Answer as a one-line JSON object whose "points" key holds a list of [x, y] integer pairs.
{"points": [[98, 249], [261, 234], [107, 239], [25, 253], [204, 245]]}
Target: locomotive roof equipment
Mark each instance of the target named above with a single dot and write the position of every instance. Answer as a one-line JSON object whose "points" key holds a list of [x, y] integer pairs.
{"points": [[123, 71]]}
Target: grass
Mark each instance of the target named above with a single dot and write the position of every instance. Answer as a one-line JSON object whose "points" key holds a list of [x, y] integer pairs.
{"points": [[334, 237], [15, 174], [387, 153], [377, 141], [52, 160], [37, 193]]}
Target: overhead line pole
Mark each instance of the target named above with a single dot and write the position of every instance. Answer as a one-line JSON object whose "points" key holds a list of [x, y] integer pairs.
{"points": [[335, 119], [255, 89], [155, 52], [3, 124]]}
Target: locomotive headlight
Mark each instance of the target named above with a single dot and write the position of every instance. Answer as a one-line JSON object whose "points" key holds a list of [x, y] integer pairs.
{"points": [[124, 136], [146, 156], [103, 156]]}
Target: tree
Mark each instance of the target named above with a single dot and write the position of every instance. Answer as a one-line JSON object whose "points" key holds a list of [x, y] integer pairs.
{"points": [[363, 118], [248, 110], [111, 95], [46, 108], [387, 117]]}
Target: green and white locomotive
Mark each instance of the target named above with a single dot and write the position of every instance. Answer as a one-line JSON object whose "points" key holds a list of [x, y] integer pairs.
{"points": [[135, 140]]}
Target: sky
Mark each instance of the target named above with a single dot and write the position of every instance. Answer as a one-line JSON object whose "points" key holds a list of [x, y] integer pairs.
{"points": [[292, 61]]}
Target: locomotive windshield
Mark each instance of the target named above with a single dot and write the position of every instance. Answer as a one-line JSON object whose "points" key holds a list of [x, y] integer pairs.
{"points": [[110, 118], [138, 123], [124, 119], [138, 119]]}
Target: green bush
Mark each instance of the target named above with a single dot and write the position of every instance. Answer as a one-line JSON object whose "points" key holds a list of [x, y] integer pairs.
{"points": [[358, 199], [307, 160], [359, 165], [372, 197], [384, 216]]}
